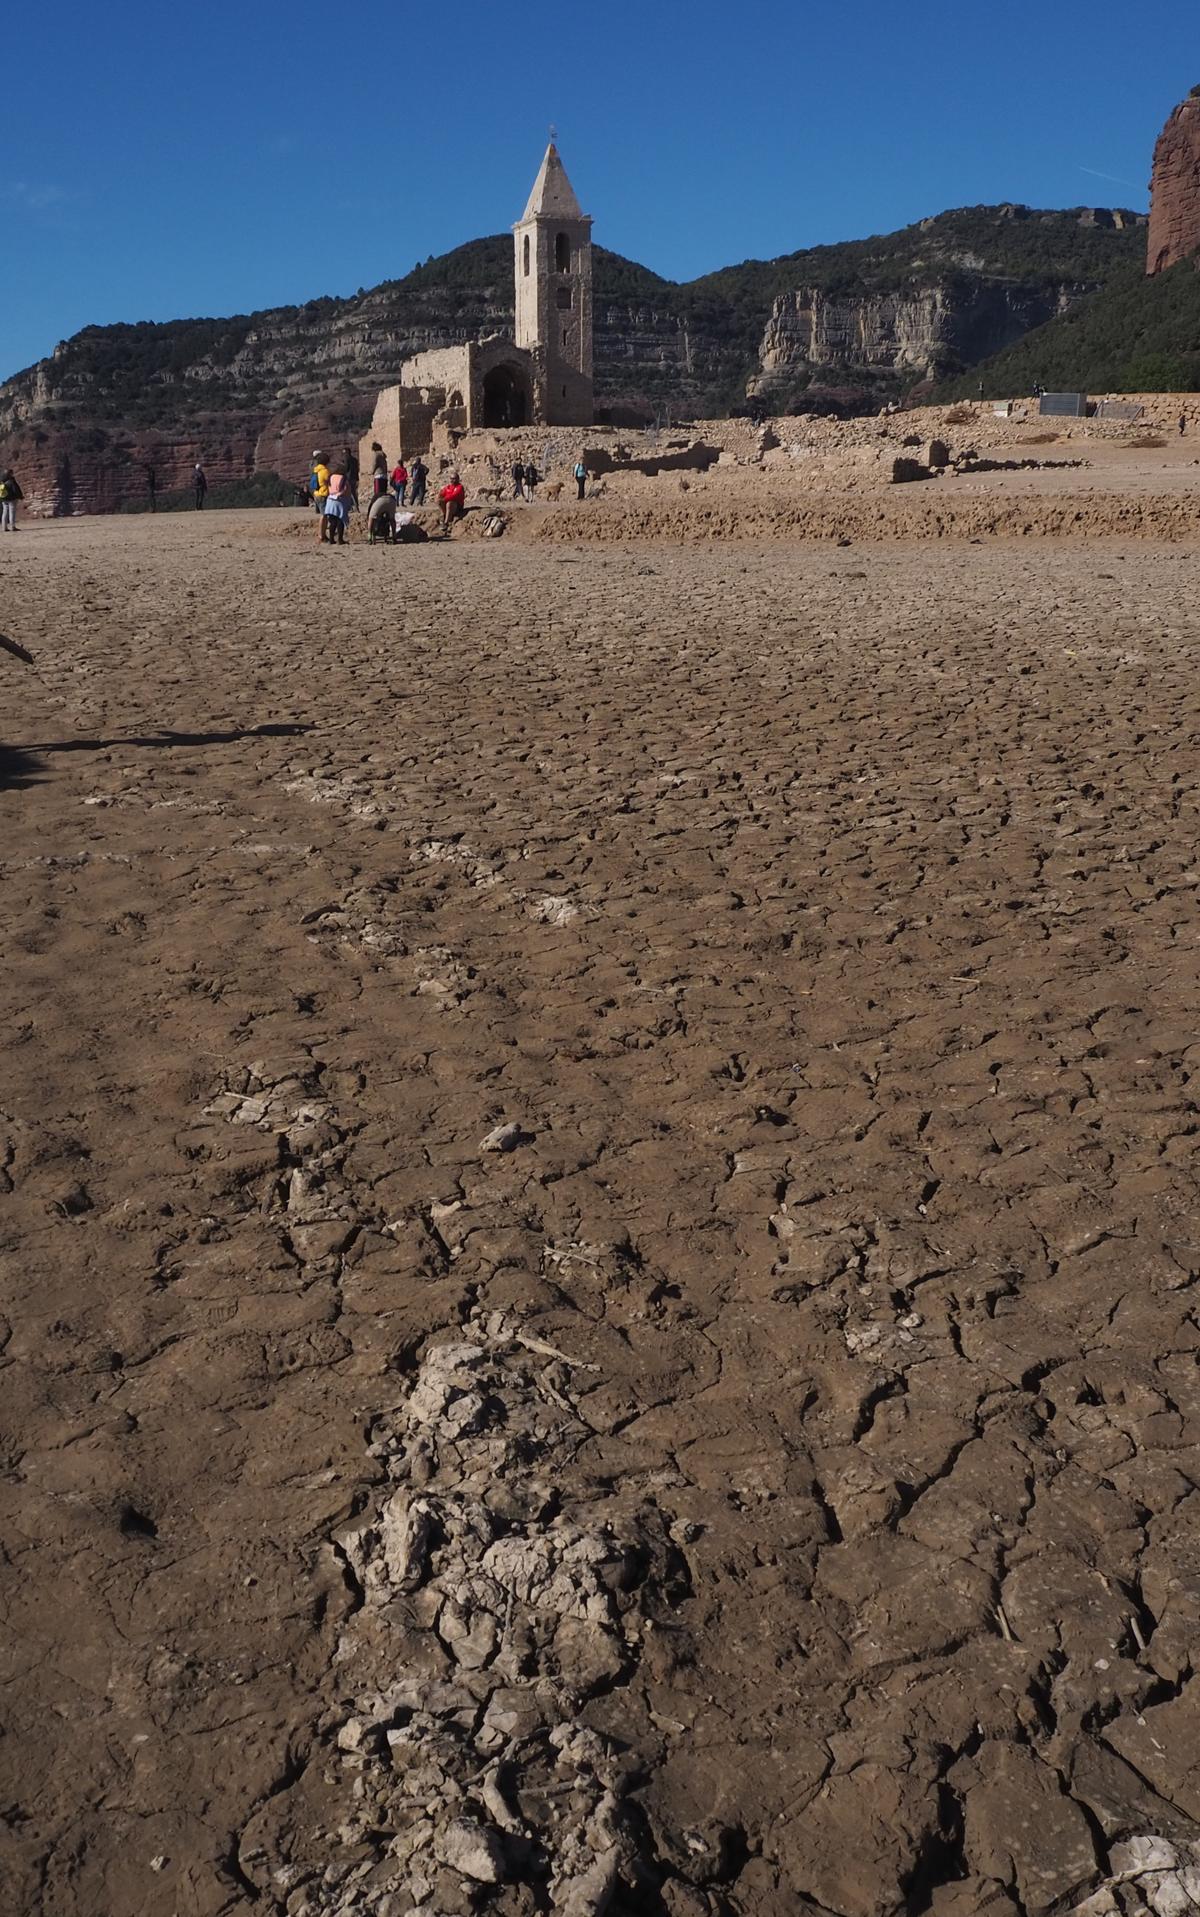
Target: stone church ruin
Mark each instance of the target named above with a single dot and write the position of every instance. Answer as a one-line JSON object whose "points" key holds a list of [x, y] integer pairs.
{"points": [[542, 376]]}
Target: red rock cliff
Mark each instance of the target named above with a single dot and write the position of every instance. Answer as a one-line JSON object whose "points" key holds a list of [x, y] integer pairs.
{"points": [[1175, 189]]}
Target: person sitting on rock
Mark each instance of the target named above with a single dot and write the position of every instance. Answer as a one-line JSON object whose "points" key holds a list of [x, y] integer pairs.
{"points": [[381, 520], [452, 500]]}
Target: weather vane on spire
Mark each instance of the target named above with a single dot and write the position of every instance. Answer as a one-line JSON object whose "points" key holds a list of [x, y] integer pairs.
{"points": [[553, 133]]}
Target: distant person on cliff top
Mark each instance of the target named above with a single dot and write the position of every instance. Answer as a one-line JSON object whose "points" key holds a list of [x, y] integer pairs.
{"points": [[417, 478], [351, 469], [400, 480], [200, 482], [518, 479], [10, 492], [452, 500], [379, 470], [532, 478], [318, 482]]}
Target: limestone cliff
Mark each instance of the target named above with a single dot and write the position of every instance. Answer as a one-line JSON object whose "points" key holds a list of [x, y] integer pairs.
{"points": [[1175, 189], [920, 330]]}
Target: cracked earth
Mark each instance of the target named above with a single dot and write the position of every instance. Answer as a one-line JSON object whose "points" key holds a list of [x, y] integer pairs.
{"points": [[598, 1207]]}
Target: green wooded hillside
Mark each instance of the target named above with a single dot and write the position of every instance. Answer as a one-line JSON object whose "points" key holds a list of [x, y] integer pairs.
{"points": [[1138, 335]]}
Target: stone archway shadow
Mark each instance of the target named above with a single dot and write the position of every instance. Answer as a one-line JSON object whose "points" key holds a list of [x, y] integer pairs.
{"points": [[506, 396]]}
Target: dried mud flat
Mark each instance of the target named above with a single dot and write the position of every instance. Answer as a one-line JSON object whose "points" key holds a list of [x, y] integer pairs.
{"points": [[599, 1217]]}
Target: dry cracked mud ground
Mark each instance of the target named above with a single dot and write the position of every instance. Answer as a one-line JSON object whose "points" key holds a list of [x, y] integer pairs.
{"points": [[764, 1480]]}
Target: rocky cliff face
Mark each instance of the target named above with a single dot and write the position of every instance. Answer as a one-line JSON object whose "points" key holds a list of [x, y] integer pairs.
{"points": [[1175, 189], [921, 330]]}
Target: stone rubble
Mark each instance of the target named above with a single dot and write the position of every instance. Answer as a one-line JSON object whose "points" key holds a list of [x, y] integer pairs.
{"points": [[480, 1761]]}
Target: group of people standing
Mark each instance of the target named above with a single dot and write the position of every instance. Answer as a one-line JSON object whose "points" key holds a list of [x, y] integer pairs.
{"points": [[525, 478], [334, 493], [400, 479]]}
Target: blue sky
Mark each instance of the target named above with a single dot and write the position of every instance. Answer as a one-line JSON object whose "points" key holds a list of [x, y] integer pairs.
{"points": [[164, 161]]}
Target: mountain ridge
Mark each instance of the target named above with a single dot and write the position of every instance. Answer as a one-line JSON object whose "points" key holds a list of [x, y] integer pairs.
{"points": [[837, 327]]}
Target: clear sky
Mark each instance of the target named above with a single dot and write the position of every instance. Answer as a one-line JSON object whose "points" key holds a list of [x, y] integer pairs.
{"points": [[164, 161]]}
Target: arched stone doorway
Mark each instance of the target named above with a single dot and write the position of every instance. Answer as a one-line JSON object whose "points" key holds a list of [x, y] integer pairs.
{"points": [[505, 397]]}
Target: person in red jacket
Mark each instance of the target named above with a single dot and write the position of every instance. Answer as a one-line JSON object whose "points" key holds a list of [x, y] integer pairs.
{"points": [[400, 480], [451, 499]]}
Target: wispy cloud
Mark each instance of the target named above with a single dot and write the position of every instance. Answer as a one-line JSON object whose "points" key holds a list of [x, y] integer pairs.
{"points": [[1114, 177], [35, 196]]}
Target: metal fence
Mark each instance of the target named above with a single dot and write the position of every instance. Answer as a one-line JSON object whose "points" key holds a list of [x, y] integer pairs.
{"points": [[1063, 405], [1119, 409]]}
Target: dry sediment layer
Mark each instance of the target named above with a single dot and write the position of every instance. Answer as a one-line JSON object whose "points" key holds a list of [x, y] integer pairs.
{"points": [[770, 1484], [866, 516]]}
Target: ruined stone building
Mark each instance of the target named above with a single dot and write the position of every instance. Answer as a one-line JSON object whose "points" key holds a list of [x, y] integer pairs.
{"points": [[543, 377], [1175, 189]]}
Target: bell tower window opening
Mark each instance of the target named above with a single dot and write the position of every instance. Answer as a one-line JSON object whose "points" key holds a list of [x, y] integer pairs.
{"points": [[562, 299], [525, 255], [562, 253]]}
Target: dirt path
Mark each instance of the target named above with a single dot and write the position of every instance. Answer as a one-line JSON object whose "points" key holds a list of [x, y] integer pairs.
{"points": [[768, 1488]]}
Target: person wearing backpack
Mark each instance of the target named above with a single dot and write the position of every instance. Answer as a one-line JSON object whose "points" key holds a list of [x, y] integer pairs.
{"points": [[318, 484], [10, 492], [580, 477]]}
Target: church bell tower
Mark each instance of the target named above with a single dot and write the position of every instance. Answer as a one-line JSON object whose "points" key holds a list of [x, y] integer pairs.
{"points": [[554, 296]]}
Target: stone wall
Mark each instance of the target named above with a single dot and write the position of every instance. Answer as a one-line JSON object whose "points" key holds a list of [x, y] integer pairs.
{"points": [[1175, 190]]}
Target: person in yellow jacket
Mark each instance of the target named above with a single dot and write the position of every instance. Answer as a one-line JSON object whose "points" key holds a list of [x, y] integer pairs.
{"points": [[318, 483]]}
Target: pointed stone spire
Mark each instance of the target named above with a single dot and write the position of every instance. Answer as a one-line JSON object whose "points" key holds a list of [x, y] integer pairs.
{"points": [[553, 196]]}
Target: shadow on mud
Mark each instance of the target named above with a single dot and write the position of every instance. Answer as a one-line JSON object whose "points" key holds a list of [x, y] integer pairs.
{"points": [[19, 766], [168, 738], [22, 765]]}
